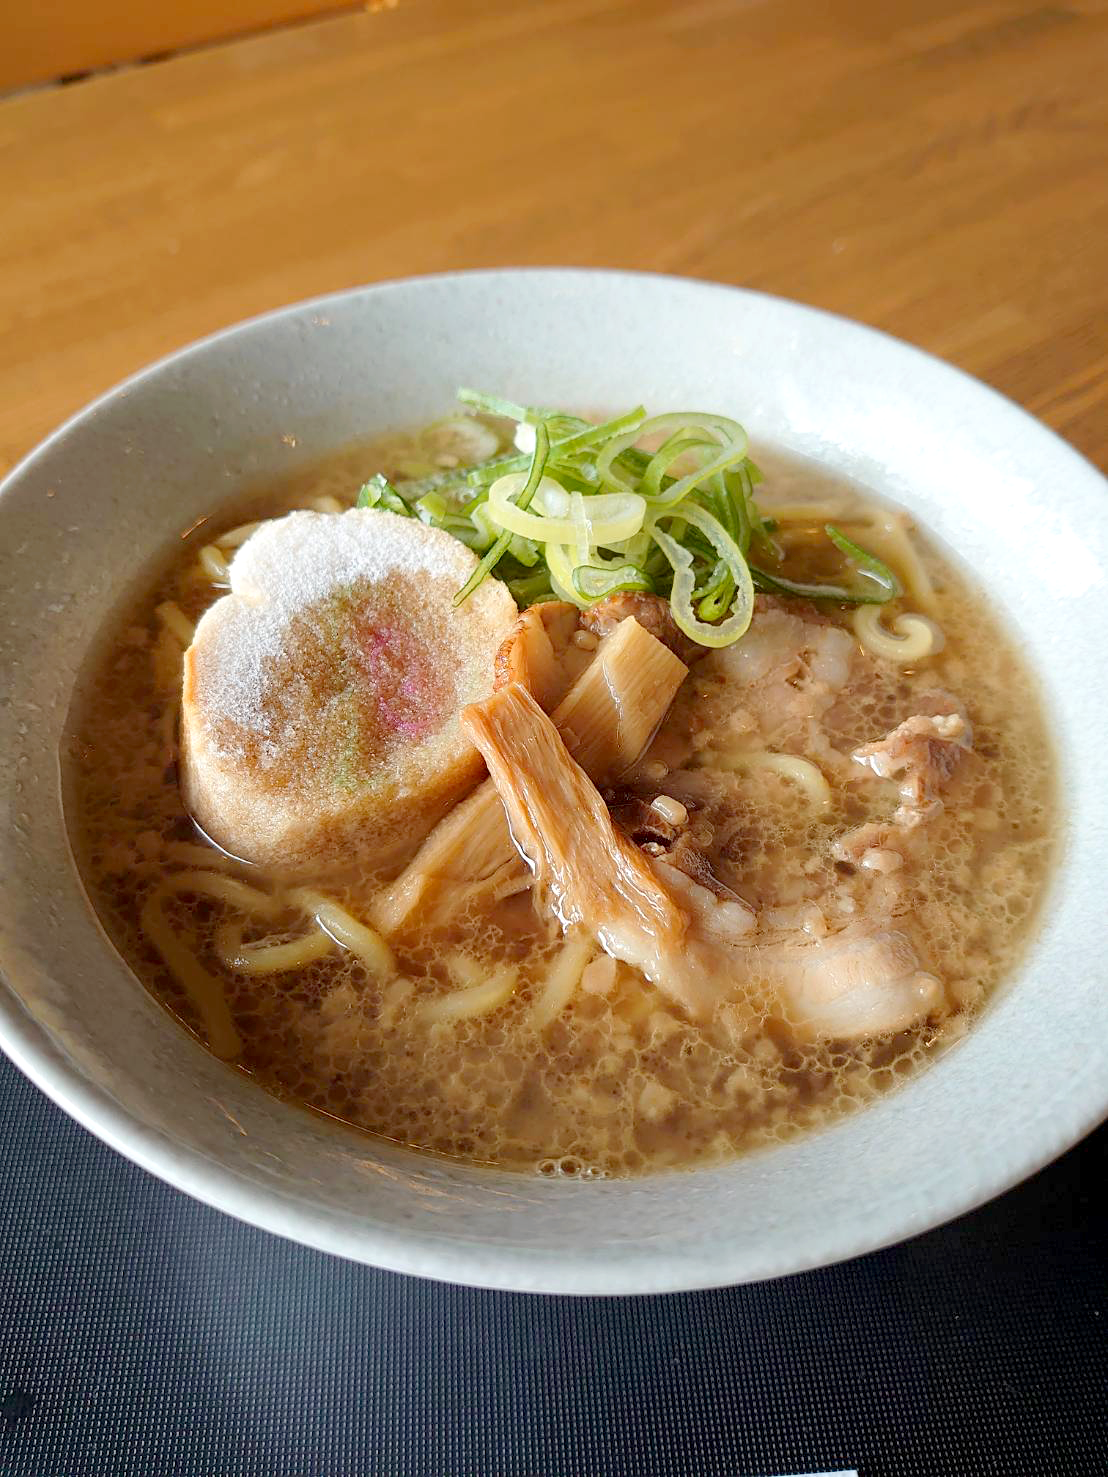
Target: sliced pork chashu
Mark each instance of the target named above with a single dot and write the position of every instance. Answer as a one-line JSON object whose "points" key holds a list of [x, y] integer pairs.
{"points": [[696, 946], [865, 981], [921, 755]]}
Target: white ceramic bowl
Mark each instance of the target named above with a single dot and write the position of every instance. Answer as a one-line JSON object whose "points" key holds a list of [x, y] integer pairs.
{"points": [[117, 483]]}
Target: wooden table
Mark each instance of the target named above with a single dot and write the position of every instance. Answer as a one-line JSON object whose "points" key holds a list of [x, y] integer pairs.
{"points": [[935, 168]]}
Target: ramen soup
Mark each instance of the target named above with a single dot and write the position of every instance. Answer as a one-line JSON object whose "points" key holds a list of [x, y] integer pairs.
{"points": [[587, 800]]}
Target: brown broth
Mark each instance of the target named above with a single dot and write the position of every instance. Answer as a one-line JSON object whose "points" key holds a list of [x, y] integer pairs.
{"points": [[620, 1082]]}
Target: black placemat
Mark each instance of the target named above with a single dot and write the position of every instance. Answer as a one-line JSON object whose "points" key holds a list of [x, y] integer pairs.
{"points": [[143, 1333]]}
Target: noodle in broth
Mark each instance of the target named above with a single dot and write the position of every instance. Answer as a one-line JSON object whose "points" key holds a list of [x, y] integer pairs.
{"points": [[500, 1040]]}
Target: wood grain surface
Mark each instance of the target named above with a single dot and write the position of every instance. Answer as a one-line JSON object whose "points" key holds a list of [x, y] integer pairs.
{"points": [[44, 39], [937, 169]]}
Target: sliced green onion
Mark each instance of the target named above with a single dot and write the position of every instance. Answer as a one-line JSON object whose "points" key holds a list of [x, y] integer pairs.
{"points": [[563, 451], [868, 564], [525, 550], [594, 582], [660, 463], [636, 550], [607, 472], [610, 518], [727, 456], [778, 584], [587, 512], [454, 481], [489, 562], [684, 578], [719, 581], [532, 589], [713, 607], [559, 561], [582, 527], [486, 530], [590, 435], [379, 492], [694, 426], [730, 511], [431, 507], [495, 405], [463, 530], [748, 476], [884, 587]]}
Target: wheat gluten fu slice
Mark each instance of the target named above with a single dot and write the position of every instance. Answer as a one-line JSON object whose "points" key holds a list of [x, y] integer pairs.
{"points": [[321, 696]]}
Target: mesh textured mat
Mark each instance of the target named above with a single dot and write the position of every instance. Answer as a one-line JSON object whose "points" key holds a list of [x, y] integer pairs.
{"points": [[141, 1333]]}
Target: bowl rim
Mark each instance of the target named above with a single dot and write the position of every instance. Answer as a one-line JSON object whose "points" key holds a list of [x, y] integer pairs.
{"points": [[30, 1048]]}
